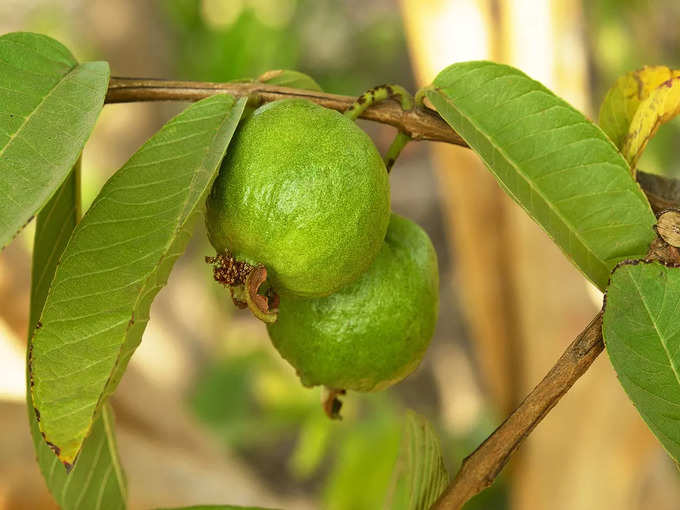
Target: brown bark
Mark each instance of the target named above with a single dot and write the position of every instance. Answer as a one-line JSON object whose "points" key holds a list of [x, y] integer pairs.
{"points": [[480, 469]]}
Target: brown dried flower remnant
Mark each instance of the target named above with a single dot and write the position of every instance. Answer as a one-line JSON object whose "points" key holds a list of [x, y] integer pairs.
{"points": [[227, 270], [231, 273]]}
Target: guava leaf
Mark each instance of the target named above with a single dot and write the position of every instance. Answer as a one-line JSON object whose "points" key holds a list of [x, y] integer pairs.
{"points": [[421, 474], [641, 333], [555, 163], [623, 99], [98, 478], [117, 259], [662, 104], [97, 481], [48, 107], [289, 78]]}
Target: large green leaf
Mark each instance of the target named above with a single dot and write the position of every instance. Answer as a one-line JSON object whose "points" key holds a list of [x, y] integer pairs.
{"points": [[554, 162], [420, 473], [118, 258], [640, 329], [48, 107], [97, 481]]}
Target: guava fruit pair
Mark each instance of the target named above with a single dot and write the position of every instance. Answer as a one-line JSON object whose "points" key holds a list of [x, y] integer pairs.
{"points": [[299, 216]]}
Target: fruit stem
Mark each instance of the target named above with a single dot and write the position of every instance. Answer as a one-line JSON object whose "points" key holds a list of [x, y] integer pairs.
{"points": [[375, 95], [331, 402], [395, 148], [420, 95]]}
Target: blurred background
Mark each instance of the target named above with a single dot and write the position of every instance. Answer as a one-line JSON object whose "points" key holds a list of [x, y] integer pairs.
{"points": [[209, 413]]}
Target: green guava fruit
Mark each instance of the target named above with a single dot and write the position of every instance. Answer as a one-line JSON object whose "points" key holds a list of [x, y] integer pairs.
{"points": [[373, 332], [304, 193]]}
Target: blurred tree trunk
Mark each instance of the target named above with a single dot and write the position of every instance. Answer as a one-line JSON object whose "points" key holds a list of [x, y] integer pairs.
{"points": [[441, 33], [524, 300]]}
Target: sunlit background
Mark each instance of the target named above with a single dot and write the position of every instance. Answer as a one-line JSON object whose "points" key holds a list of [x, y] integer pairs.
{"points": [[209, 413]]}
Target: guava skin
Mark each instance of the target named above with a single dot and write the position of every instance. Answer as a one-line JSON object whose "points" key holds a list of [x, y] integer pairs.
{"points": [[304, 192], [374, 332]]}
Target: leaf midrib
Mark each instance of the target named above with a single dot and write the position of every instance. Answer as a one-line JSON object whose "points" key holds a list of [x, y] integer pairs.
{"points": [[13, 136], [674, 368], [511, 162]]}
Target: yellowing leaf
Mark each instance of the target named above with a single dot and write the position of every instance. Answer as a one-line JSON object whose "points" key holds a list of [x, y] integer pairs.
{"points": [[662, 104], [624, 98]]}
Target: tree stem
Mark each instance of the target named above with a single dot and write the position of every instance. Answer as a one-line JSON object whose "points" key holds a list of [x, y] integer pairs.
{"points": [[419, 123], [481, 468]]}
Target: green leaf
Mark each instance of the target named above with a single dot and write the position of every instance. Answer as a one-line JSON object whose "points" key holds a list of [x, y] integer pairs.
{"points": [[98, 478], [623, 99], [119, 257], [420, 473], [550, 159], [97, 481], [640, 329], [288, 78], [48, 107]]}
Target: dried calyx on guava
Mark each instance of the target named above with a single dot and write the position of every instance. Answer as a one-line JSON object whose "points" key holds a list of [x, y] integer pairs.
{"points": [[303, 195], [373, 332]]}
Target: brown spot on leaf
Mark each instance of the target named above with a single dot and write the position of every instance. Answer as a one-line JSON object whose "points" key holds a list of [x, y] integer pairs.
{"points": [[640, 84], [35, 409], [53, 447]]}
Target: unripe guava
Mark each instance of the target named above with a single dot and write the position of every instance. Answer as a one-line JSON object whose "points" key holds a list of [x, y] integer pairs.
{"points": [[372, 333], [304, 193]]}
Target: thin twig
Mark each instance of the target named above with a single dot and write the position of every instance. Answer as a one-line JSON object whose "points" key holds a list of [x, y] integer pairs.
{"points": [[480, 469], [419, 124]]}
